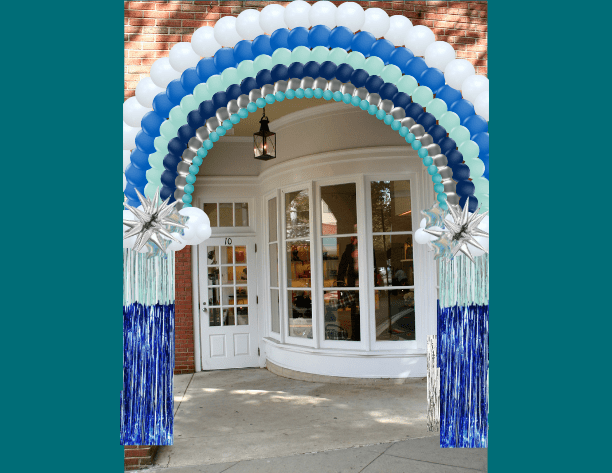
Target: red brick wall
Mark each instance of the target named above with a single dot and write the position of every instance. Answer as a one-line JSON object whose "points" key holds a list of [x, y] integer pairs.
{"points": [[138, 456], [183, 320]]}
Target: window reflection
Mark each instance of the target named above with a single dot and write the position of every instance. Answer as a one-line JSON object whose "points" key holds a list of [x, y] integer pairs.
{"points": [[297, 214], [342, 316], [339, 209], [300, 314], [298, 263], [393, 260], [391, 206], [394, 312]]}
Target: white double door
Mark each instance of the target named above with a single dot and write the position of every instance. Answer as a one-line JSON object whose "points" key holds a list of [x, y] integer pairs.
{"points": [[228, 303]]}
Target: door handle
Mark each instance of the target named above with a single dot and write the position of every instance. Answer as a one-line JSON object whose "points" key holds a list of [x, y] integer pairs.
{"points": [[204, 309]]}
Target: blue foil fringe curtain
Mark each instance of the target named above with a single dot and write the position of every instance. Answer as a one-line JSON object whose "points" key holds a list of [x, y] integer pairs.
{"points": [[148, 349]]}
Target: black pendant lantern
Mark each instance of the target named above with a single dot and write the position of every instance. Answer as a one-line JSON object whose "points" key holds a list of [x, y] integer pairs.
{"points": [[264, 140]]}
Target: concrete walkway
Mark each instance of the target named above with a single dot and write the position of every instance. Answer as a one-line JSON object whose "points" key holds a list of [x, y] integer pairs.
{"points": [[255, 421]]}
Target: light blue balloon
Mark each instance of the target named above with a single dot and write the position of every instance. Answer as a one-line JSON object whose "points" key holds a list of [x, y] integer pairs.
{"points": [[373, 65], [391, 73], [300, 54], [337, 56], [328, 95], [309, 93], [280, 96], [263, 62], [290, 94], [281, 56], [355, 59], [380, 114], [388, 120], [215, 84], [299, 93], [318, 93]]}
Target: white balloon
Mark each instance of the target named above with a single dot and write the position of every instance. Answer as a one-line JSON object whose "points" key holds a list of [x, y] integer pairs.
{"points": [[182, 56], [126, 159], [438, 54], [473, 86], [423, 223], [481, 105], [484, 225], [399, 25], [133, 111], [174, 246], [457, 71], [162, 73], [203, 233], [247, 25], [129, 136], [418, 38], [204, 43], [323, 13], [296, 14], [421, 237], [272, 18], [146, 90], [376, 22], [350, 15], [225, 32]]}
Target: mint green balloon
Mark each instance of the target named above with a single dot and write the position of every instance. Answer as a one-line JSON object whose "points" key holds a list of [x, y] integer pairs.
{"points": [[483, 201], [469, 150], [391, 73], [319, 54], [449, 120], [178, 117], [477, 167], [188, 103], [230, 76], [482, 184], [300, 54], [156, 160], [422, 95], [373, 65], [337, 56], [460, 134], [355, 59], [150, 190], [167, 129], [201, 93], [281, 56], [154, 174], [262, 62], [246, 69], [160, 143], [437, 107], [407, 84], [215, 84]]}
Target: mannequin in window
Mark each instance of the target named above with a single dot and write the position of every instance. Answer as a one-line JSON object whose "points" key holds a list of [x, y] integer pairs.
{"points": [[348, 276]]}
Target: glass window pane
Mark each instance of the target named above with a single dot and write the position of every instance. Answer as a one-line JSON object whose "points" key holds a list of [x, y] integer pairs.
{"points": [[340, 267], [393, 260], [213, 296], [341, 317], [274, 265], [296, 214], [226, 215], [241, 275], [227, 296], [298, 264], [394, 309], [274, 303], [391, 206], [242, 295], [228, 316], [227, 255], [212, 256], [227, 275], [211, 211], [214, 317], [213, 276], [241, 254], [241, 215], [242, 316], [339, 209], [300, 314], [272, 223]]}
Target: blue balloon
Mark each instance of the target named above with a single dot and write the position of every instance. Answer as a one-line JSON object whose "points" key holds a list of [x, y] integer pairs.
{"points": [[264, 77], [359, 77], [185, 133], [460, 172], [318, 36], [219, 99], [144, 142], [473, 201], [297, 37], [432, 78], [224, 58], [415, 67], [248, 84], [168, 179], [344, 72], [438, 133], [296, 70], [455, 158], [279, 38], [446, 146], [171, 161], [340, 37], [363, 42], [448, 94], [427, 120], [206, 68], [414, 110], [482, 140], [151, 122], [261, 45], [280, 72], [382, 49], [387, 91], [162, 105], [175, 92], [233, 92], [401, 99], [195, 119], [400, 57], [328, 70], [463, 108], [373, 84], [207, 109], [485, 160], [476, 124], [136, 177], [189, 80], [140, 160], [176, 146], [311, 69], [167, 192], [243, 51], [130, 193]]}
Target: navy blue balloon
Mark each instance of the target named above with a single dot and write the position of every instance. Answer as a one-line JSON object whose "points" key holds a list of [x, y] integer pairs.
{"points": [[427, 120], [261, 45], [344, 72], [460, 172], [415, 67], [243, 51], [318, 36], [171, 162], [447, 145], [175, 92], [248, 84], [279, 38], [438, 133], [341, 37], [432, 78], [400, 57], [401, 99], [233, 92], [455, 157], [448, 94], [219, 99], [363, 42], [414, 110], [224, 58], [185, 133], [328, 70], [194, 119], [358, 77], [136, 177], [140, 160], [473, 202], [465, 188], [296, 70], [206, 68], [168, 179], [189, 79], [463, 108], [166, 192], [280, 72], [151, 122], [373, 84], [476, 124], [264, 77], [387, 91], [176, 146], [144, 142], [383, 49], [485, 160], [297, 37], [162, 105], [482, 140], [311, 69], [207, 109]]}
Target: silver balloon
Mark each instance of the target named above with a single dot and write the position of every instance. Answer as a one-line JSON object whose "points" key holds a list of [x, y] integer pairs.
{"points": [[188, 155], [202, 133], [178, 195], [418, 131], [307, 83], [194, 144], [334, 85], [398, 113], [408, 122], [182, 169], [426, 139], [452, 198], [361, 92], [320, 83], [432, 149], [267, 89], [446, 172], [348, 89], [254, 95], [232, 107], [439, 160], [386, 105], [294, 84], [449, 186], [243, 101], [373, 99], [222, 115], [180, 181], [212, 123], [280, 86]]}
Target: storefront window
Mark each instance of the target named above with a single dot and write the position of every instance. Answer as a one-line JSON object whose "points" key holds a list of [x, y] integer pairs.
{"points": [[227, 214], [273, 252]]}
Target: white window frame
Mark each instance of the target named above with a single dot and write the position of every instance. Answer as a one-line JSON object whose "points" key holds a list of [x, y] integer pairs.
{"points": [[233, 230], [279, 336]]}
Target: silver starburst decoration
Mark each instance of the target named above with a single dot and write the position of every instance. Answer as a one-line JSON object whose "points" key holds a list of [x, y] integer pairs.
{"points": [[151, 222], [456, 235]]}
